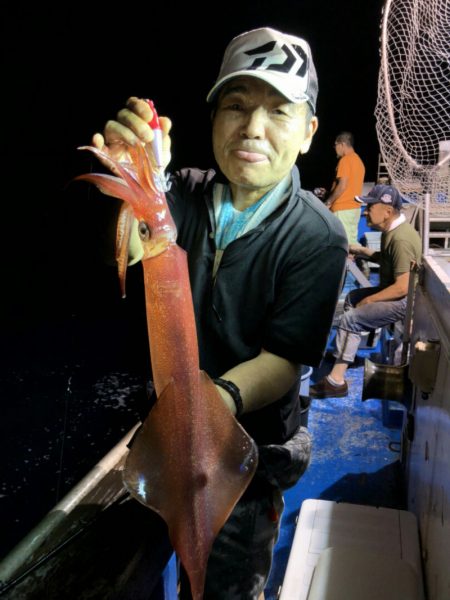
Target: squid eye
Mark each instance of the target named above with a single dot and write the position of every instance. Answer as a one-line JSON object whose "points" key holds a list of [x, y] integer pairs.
{"points": [[144, 231]]}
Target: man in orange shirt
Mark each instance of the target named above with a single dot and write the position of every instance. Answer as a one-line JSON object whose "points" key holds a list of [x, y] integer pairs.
{"points": [[348, 184]]}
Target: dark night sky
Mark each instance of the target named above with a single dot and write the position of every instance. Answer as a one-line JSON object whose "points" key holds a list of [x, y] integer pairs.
{"points": [[68, 69]]}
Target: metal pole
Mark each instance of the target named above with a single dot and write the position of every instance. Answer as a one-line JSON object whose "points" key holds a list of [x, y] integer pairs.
{"points": [[426, 225], [50, 531]]}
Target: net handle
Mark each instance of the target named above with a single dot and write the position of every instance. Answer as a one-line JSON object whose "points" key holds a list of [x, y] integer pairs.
{"points": [[384, 64]]}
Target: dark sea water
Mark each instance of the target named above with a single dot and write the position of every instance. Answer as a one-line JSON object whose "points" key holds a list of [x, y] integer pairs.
{"points": [[73, 382]]}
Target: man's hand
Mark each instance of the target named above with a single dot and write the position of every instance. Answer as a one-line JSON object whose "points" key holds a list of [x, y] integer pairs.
{"points": [[337, 189], [356, 249], [132, 127], [395, 291], [320, 192]]}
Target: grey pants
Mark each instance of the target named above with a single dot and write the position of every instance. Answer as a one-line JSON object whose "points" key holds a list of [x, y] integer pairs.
{"points": [[356, 320], [241, 557]]}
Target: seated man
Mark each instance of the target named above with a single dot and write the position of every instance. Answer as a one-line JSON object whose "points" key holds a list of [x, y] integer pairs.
{"points": [[369, 308]]}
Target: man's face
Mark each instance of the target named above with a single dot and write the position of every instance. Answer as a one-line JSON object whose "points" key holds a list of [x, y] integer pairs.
{"points": [[378, 215], [339, 148], [258, 134]]}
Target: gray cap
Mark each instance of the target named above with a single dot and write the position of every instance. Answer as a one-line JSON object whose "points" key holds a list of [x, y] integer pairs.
{"points": [[283, 61]]}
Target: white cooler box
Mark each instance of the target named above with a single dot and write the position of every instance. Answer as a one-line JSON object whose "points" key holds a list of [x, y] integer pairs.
{"points": [[347, 551]]}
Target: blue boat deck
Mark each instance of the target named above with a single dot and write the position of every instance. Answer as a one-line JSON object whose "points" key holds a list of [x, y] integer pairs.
{"points": [[355, 459], [356, 453]]}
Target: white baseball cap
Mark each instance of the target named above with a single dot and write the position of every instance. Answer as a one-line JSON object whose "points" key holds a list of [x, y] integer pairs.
{"points": [[283, 61]]}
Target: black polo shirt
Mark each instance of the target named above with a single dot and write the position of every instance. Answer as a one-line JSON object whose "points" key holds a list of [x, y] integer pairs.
{"points": [[276, 288]]}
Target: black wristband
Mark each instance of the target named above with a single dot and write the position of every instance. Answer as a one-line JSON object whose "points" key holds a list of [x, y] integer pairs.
{"points": [[234, 392]]}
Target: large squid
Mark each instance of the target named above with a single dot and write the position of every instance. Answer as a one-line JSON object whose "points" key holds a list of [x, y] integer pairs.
{"points": [[191, 460]]}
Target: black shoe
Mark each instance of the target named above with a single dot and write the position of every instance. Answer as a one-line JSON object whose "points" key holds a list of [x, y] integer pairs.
{"points": [[325, 389]]}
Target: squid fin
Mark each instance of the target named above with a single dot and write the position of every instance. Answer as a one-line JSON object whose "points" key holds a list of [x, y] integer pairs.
{"points": [[191, 469]]}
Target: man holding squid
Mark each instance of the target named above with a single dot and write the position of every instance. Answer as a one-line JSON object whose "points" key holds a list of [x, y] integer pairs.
{"points": [[266, 260]]}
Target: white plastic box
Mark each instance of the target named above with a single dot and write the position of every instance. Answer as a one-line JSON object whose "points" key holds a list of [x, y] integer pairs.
{"points": [[367, 341], [373, 239], [350, 551]]}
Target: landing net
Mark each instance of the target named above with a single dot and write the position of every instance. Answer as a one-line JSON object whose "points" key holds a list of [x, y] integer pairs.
{"points": [[413, 105]]}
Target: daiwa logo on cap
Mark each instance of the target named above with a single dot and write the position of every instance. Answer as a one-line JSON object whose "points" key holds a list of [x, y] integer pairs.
{"points": [[282, 60], [293, 57]]}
